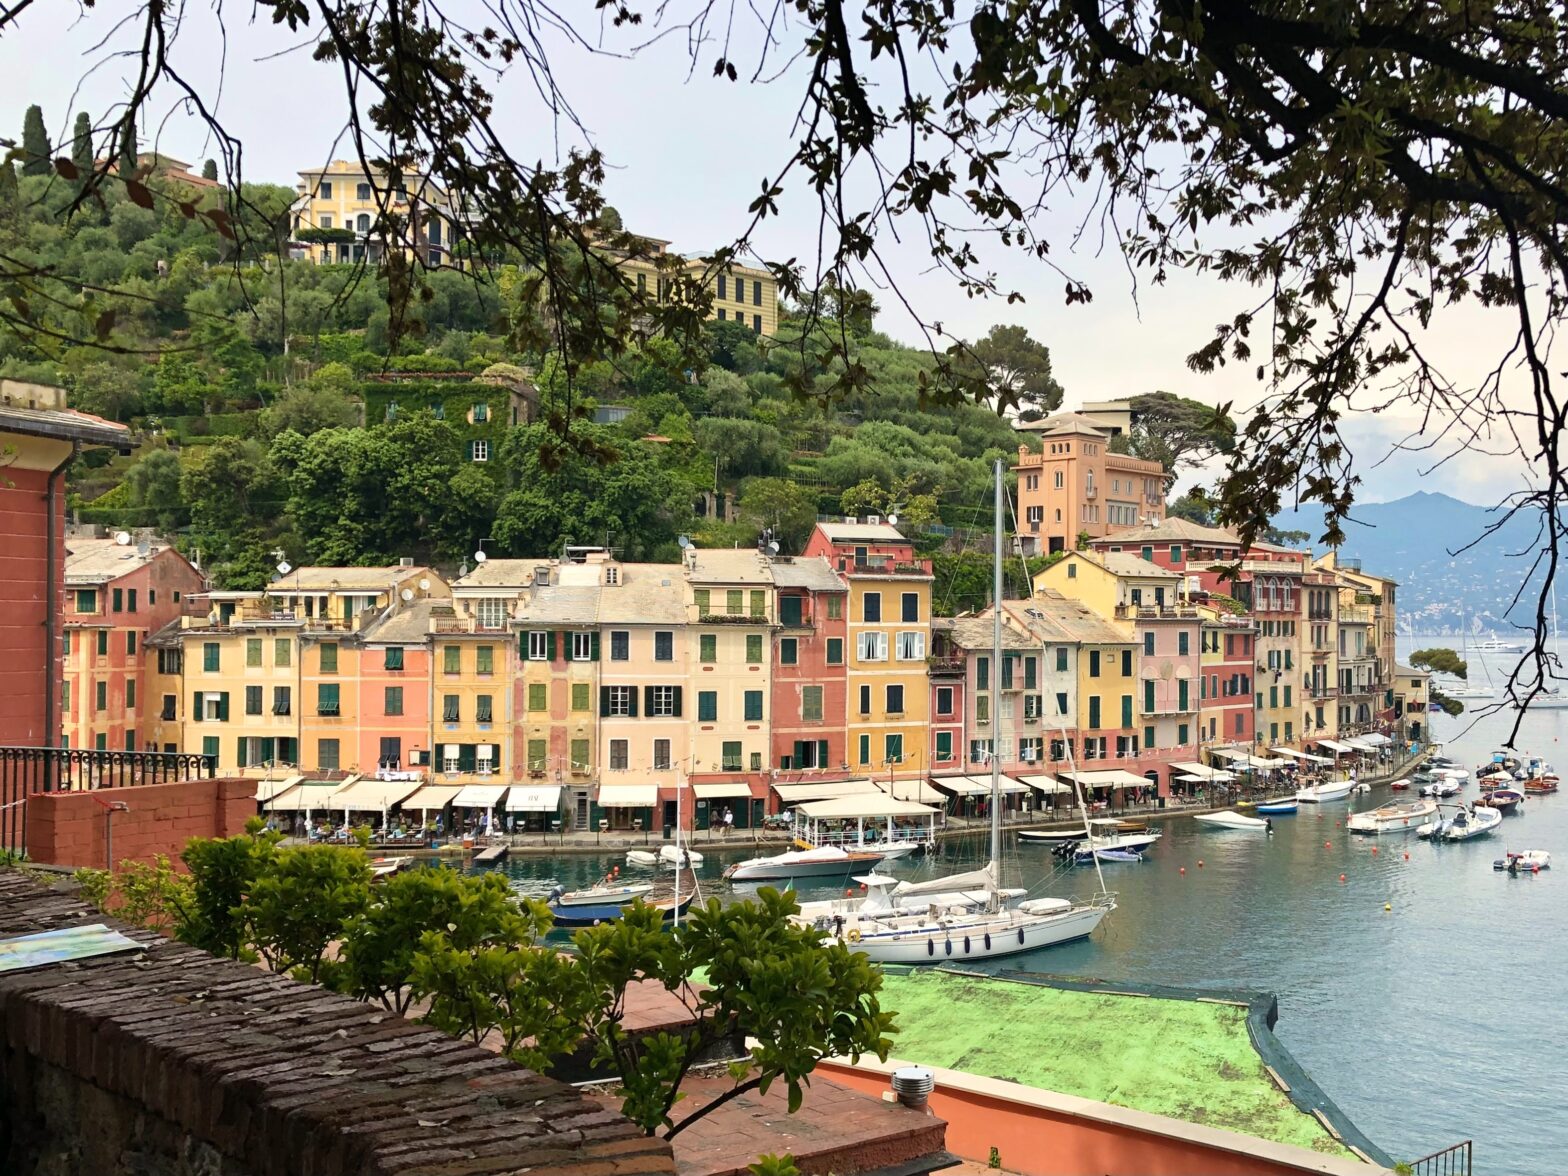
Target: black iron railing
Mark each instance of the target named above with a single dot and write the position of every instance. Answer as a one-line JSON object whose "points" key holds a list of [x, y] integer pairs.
{"points": [[25, 770], [1451, 1161]]}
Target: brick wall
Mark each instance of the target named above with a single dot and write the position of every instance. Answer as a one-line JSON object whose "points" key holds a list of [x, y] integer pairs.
{"points": [[69, 829], [170, 1062], [24, 564]]}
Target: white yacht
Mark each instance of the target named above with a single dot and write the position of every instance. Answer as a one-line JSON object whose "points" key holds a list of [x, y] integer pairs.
{"points": [[1400, 816], [1327, 791], [1495, 644], [1231, 820]]}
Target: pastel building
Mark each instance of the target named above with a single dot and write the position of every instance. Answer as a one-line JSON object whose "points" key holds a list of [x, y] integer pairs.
{"points": [[810, 682], [1075, 486], [394, 690], [117, 595], [889, 624], [1225, 702]]}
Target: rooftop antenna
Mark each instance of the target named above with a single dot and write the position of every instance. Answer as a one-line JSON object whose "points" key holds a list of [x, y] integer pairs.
{"points": [[284, 567], [123, 538]]}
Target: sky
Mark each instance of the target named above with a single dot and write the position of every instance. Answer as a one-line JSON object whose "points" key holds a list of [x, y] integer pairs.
{"points": [[688, 153]]}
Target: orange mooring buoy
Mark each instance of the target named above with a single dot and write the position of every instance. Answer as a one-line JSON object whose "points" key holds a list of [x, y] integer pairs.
{"points": [[1342, 877]]}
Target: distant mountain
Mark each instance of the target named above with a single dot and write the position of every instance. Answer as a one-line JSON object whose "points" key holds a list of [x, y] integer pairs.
{"points": [[1416, 540]]}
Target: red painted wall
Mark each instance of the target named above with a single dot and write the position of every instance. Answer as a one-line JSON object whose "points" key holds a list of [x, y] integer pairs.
{"points": [[812, 668], [68, 828], [26, 664]]}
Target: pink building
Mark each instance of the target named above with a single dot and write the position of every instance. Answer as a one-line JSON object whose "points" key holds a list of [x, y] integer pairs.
{"points": [[810, 685], [394, 691]]}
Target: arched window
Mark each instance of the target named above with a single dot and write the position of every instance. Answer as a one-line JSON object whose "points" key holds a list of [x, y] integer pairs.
{"points": [[362, 222]]}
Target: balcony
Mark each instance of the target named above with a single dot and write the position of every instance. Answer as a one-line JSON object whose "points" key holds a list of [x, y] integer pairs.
{"points": [[1316, 691], [946, 667], [1156, 612], [1091, 493]]}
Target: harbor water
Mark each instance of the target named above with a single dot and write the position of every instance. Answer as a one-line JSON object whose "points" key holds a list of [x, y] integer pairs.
{"points": [[1434, 1021]]}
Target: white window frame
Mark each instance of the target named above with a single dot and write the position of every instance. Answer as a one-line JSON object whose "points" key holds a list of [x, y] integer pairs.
{"points": [[210, 706], [621, 702], [661, 704], [871, 647], [911, 646], [538, 645], [480, 450], [491, 612], [582, 647]]}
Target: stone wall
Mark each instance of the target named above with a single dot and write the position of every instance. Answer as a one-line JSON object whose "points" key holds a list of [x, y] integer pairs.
{"points": [[70, 828], [171, 1062]]}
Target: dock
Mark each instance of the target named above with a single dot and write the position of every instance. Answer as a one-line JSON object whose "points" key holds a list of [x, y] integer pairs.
{"points": [[490, 855]]}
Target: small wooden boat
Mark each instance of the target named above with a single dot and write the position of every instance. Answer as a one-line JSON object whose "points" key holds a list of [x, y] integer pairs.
{"points": [[1231, 820], [605, 894], [1398, 816], [1283, 806], [592, 916], [1541, 785], [1503, 799]]}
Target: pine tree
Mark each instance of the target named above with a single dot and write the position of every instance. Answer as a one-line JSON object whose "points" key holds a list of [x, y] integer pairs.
{"points": [[209, 170], [38, 155], [82, 147]]}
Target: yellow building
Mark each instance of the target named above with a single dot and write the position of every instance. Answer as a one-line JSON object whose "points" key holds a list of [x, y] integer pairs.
{"points": [[271, 677], [336, 214], [748, 295]]}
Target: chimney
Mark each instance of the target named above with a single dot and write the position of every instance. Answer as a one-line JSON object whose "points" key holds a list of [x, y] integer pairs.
{"points": [[541, 576]]}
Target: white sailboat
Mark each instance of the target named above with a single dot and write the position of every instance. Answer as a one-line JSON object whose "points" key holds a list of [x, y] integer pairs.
{"points": [[906, 930]]}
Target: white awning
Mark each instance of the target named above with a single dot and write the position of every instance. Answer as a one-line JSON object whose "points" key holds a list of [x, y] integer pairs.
{"points": [[974, 785], [1229, 753], [1215, 778], [1360, 743], [916, 790], [1045, 784], [432, 797], [1195, 771], [1111, 779], [1301, 755], [371, 795], [1376, 739], [267, 789], [733, 790], [628, 795], [545, 798], [798, 793], [479, 796], [306, 796], [874, 805], [1265, 763], [1332, 746]]}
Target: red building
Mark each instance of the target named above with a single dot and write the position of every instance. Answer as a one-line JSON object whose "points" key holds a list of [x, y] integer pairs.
{"points": [[809, 682], [119, 591], [39, 437], [1226, 715]]}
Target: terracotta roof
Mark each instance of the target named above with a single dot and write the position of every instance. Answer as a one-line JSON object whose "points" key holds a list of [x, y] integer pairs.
{"points": [[1065, 422], [38, 410], [1169, 530]]}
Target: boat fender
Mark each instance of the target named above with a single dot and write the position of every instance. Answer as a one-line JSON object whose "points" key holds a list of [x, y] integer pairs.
{"points": [[930, 947], [949, 947], [988, 941], [966, 945], [854, 935], [1020, 935]]}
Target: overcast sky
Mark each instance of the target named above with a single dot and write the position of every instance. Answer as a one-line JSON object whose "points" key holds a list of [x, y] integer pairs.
{"points": [[687, 158]]}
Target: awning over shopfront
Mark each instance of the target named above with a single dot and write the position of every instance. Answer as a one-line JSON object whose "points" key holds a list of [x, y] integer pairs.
{"points": [[1110, 779], [267, 789], [1333, 746], [800, 793], [371, 796], [431, 798], [1258, 762], [916, 790], [479, 796], [306, 796], [1360, 743], [544, 798], [1216, 778], [1301, 755], [1375, 738], [628, 795], [1230, 753], [734, 790], [1046, 784], [974, 785], [1195, 771]]}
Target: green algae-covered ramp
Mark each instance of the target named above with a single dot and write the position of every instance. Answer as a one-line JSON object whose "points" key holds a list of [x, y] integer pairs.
{"points": [[1200, 1057]]}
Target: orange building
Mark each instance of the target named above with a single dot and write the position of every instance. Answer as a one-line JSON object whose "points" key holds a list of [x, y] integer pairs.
{"points": [[1076, 485]]}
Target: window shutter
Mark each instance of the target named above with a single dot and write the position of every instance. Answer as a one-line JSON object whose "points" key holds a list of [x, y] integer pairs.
{"points": [[633, 701], [822, 753], [549, 645], [522, 645], [223, 707], [799, 754], [647, 700], [604, 702], [196, 707], [677, 695], [593, 641]]}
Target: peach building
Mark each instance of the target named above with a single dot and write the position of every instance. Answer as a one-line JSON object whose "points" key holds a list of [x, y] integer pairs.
{"points": [[1076, 485]]}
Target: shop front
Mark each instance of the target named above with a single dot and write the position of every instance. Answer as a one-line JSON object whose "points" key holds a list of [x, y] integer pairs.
{"points": [[624, 808]]}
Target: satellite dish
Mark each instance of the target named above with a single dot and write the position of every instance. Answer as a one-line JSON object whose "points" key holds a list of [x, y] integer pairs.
{"points": [[774, 548], [684, 541], [123, 538], [285, 568], [892, 520], [408, 594], [424, 585], [480, 557]]}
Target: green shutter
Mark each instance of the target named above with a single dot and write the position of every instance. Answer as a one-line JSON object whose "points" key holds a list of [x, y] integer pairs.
{"points": [[677, 702], [549, 645], [822, 753], [593, 653], [604, 702], [196, 706], [223, 707]]}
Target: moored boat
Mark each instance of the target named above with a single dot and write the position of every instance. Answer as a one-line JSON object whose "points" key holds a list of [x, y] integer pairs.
{"points": [[1531, 860], [1329, 790], [1467, 824], [592, 916], [641, 857], [1505, 800], [825, 861], [1231, 820], [1541, 785], [1399, 816], [608, 893], [1284, 806]]}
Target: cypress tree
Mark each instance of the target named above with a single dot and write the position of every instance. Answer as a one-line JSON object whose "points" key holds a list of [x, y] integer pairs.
{"points": [[35, 143], [209, 170], [127, 164], [8, 193], [82, 147]]}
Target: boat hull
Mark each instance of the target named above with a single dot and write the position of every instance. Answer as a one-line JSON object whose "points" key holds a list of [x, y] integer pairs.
{"points": [[592, 916], [1324, 793], [1277, 808], [770, 871], [620, 896], [977, 939]]}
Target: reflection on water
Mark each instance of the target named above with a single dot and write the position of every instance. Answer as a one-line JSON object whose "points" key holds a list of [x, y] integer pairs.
{"points": [[1436, 1021]]}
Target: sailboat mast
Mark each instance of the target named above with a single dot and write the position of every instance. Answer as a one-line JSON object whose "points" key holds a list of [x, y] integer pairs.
{"points": [[996, 674]]}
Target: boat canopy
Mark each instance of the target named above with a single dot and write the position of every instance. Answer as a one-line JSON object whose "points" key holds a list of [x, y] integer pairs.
{"points": [[1045, 784], [974, 785], [982, 879], [734, 790], [371, 795], [1301, 755], [800, 793], [628, 795], [877, 804], [543, 798]]}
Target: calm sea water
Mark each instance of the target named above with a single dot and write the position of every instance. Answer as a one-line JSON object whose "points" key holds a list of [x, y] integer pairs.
{"points": [[1437, 1021]]}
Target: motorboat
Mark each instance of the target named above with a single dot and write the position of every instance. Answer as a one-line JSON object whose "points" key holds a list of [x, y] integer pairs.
{"points": [[1525, 860], [1360, 788], [1495, 644], [1050, 836], [641, 857], [607, 893], [679, 857], [1443, 786], [1398, 816], [891, 851], [1118, 855], [1493, 780], [1541, 785], [1104, 834], [1400, 785], [385, 867], [1231, 820], [1464, 825], [1505, 800], [670, 908], [825, 861], [1329, 790], [883, 893], [1284, 806]]}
